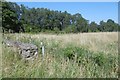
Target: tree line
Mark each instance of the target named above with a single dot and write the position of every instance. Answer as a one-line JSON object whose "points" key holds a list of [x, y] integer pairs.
{"points": [[19, 18]]}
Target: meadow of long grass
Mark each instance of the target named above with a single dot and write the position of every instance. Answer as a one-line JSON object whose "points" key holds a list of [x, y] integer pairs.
{"points": [[91, 55], [0, 55]]}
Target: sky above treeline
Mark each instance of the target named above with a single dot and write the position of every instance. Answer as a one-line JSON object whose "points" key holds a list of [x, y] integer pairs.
{"points": [[92, 11]]}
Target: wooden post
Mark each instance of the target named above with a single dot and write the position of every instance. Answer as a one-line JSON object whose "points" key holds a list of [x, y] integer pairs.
{"points": [[43, 49]]}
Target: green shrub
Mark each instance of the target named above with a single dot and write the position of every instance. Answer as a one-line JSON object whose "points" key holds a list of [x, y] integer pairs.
{"points": [[56, 30], [70, 29]]}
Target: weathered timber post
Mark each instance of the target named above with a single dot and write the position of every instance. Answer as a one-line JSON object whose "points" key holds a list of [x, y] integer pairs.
{"points": [[43, 49]]}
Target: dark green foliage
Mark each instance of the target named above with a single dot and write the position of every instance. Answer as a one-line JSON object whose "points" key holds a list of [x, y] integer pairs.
{"points": [[69, 52], [17, 18], [110, 26], [72, 52], [80, 55], [71, 29], [10, 16], [56, 30], [99, 59], [83, 56], [93, 27]]}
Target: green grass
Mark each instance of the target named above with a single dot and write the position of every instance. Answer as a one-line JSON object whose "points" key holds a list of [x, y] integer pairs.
{"points": [[68, 61], [0, 55]]}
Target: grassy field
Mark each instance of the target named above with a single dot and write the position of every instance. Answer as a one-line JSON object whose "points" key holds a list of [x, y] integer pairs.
{"points": [[80, 55]]}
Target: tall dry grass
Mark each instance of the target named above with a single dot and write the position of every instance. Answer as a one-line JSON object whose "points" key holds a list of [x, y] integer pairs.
{"points": [[54, 65], [0, 55], [94, 41]]}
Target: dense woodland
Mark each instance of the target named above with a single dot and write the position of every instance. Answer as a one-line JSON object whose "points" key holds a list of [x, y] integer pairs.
{"points": [[17, 19]]}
